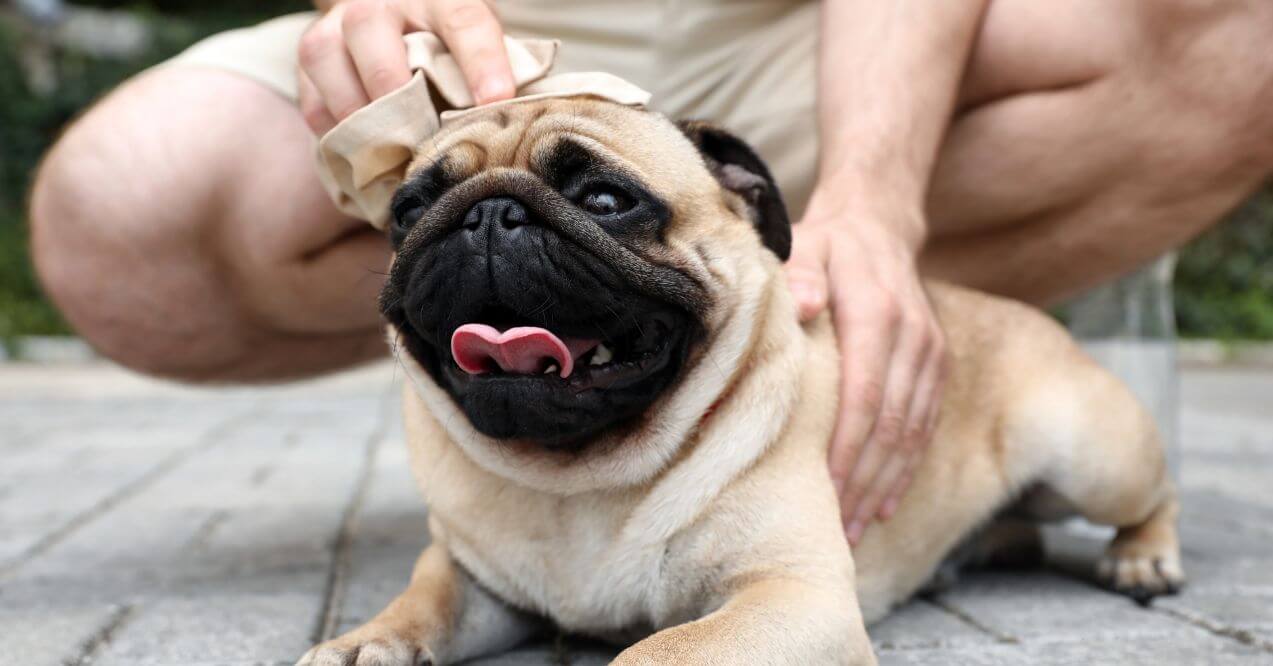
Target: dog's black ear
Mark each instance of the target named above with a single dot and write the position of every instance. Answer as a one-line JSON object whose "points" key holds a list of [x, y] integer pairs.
{"points": [[739, 169]]}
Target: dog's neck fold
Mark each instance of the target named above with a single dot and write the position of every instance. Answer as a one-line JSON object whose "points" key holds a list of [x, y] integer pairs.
{"points": [[745, 417], [362, 160]]}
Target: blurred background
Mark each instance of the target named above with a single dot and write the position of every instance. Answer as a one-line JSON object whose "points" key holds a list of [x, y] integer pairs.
{"points": [[56, 58]]}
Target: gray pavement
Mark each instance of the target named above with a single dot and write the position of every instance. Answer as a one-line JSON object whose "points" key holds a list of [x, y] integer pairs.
{"points": [[147, 523]]}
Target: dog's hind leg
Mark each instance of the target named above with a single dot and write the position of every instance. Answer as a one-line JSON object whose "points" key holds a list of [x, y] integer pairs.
{"points": [[1143, 560], [1105, 460], [441, 618]]}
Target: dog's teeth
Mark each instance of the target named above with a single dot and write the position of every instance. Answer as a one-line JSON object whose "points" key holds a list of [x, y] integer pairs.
{"points": [[601, 356], [550, 369]]}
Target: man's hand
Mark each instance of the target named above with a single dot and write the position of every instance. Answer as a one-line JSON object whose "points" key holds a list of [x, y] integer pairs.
{"points": [[856, 248], [354, 53], [892, 355]]}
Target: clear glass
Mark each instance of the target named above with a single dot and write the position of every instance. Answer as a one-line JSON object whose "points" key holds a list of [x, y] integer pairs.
{"points": [[1129, 326]]}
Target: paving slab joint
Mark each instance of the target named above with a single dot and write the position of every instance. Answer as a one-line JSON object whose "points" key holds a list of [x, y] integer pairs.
{"points": [[1219, 629], [968, 619], [338, 573], [168, 463], [118, 617]]}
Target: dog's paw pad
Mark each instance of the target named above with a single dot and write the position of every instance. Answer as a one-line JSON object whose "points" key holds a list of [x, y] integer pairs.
{"points": [[348, 651], [1141, 574]]}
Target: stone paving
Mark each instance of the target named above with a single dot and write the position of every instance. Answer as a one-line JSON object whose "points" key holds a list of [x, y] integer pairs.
{"points": [[147, 523]]}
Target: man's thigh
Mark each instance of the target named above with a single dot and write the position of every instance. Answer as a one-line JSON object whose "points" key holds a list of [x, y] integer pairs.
{"points": [[1091, 139], [1061, 98]]}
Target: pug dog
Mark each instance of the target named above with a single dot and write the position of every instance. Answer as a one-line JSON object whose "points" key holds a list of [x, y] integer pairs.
{"points": [[621, 428]]}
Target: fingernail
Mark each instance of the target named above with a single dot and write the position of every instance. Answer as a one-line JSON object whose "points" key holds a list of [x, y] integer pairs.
{"points": [[492, 89], [889, 507], [854, 531]]}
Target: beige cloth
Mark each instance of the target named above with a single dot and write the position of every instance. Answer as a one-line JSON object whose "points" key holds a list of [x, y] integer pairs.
{"points": [[748, 65], [362, 160]]}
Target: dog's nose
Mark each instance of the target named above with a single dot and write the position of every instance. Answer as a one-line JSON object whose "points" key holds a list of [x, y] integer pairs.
{"points": [[506, 212]]}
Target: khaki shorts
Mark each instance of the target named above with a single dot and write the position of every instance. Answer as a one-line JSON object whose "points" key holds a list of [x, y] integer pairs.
{"points": [[748, 65]]}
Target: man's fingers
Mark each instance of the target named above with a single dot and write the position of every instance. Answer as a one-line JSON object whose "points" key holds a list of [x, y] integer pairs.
{"points": [[885, 455], [806, 271], [866, 350], [862, 395], [474, 36], [920, 420], [883, 486], [316, 115], [328, 65], [869, 466], [891, 483], [355, 54], [809, 288], [895, 496], [373, 33]]}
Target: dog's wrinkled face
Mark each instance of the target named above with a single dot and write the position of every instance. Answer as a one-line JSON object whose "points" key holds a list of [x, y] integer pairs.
{"points": [[549, 271]]}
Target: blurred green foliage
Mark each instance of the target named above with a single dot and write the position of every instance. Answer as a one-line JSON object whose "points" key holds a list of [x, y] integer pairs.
{"points": [[21, 308], [1224, 281], [1224, 285]]}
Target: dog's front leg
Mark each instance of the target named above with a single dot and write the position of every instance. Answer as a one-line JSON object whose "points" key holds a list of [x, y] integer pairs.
{"points": [[442, 617], [772, 621]]}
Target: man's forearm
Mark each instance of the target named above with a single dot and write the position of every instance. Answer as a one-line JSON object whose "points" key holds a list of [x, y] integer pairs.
{"points": [[889, 73]]}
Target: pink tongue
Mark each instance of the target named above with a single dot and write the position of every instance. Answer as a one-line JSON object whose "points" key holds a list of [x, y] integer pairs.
{"points": [[525, 350]]}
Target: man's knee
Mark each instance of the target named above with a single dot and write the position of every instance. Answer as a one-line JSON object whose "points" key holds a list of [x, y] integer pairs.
{"points": [[80, 209], [171, 247], [117, 210], [1213, 72]]}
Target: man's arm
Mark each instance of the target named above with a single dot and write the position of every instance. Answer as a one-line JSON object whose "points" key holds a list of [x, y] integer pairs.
{"points": [[888, 79]]}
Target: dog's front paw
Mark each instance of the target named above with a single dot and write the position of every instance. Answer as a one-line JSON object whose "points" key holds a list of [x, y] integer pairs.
{"points": [[369, 645], [1142, 568]]}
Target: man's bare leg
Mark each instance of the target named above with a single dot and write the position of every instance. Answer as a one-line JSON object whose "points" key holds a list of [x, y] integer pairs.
{"points": [[180, 227], [1095, 136]]}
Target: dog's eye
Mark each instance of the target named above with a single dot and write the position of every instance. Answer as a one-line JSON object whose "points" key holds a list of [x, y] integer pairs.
{"points": [[404, 217], [604, 202]]}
